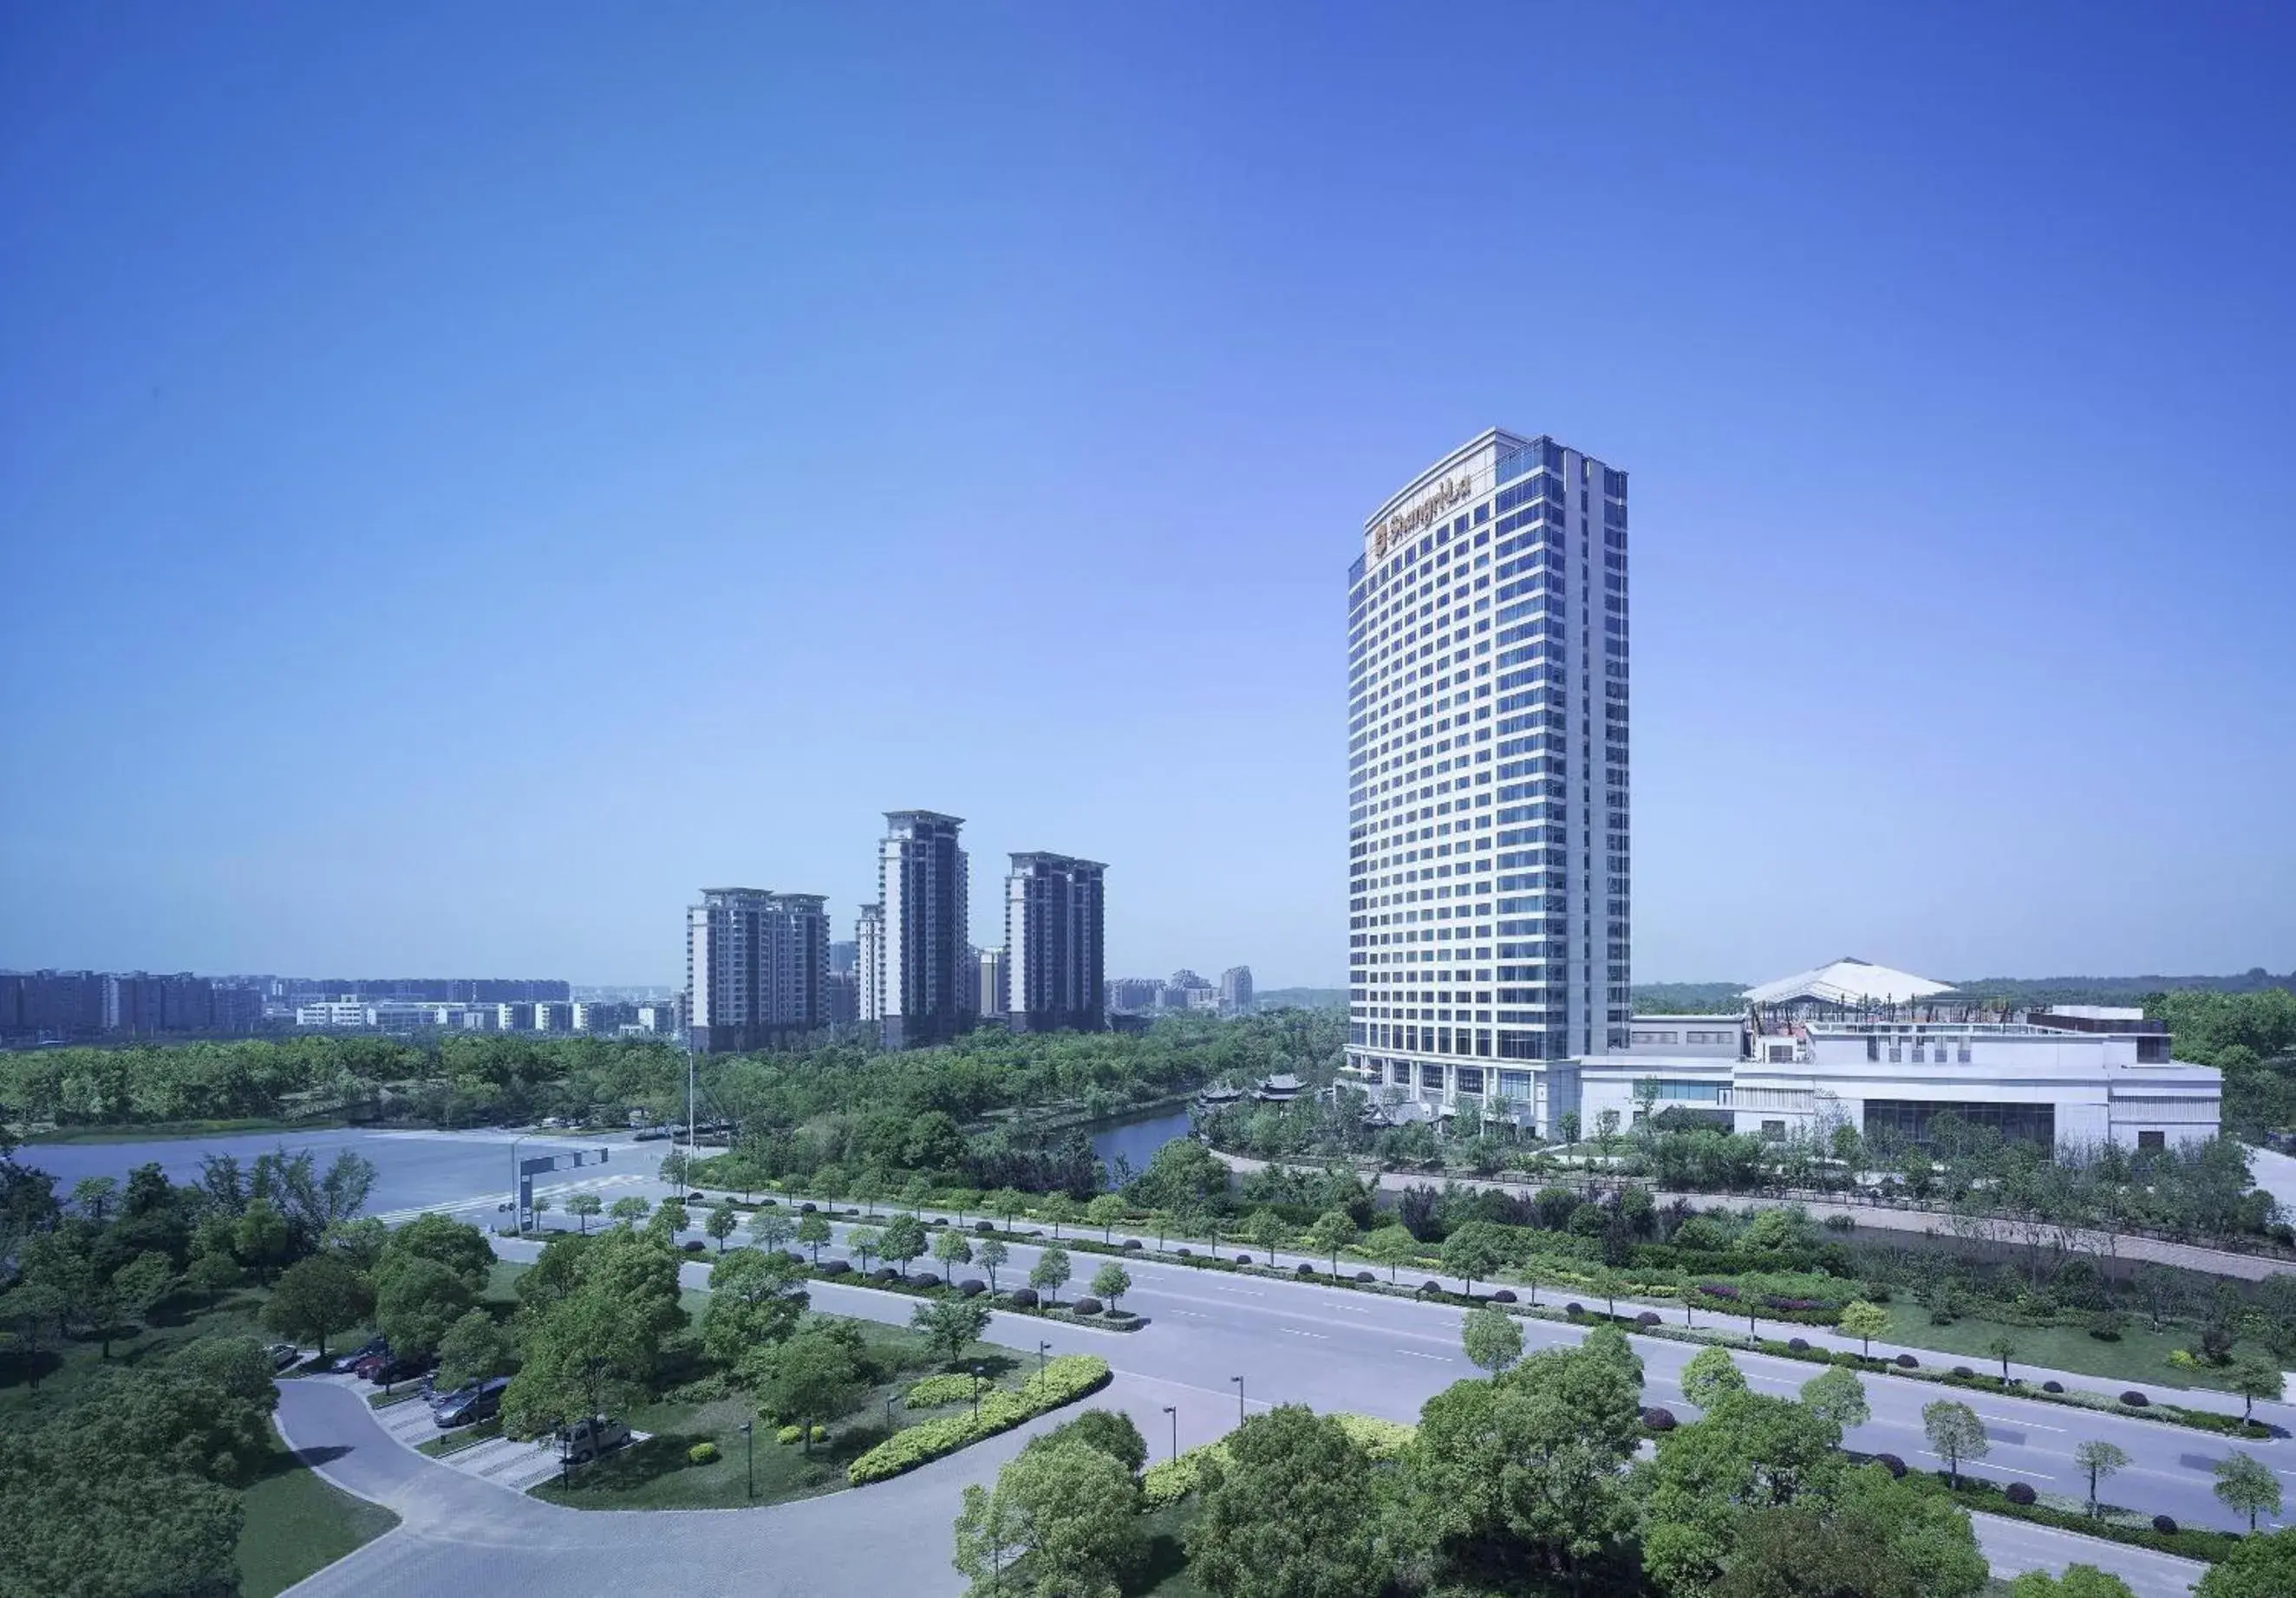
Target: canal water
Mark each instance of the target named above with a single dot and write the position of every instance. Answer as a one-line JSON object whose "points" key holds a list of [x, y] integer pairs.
{"points": [[1138, 1139]]}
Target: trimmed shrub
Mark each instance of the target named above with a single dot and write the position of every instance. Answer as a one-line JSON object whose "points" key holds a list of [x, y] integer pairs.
{"points": [[986, 1228], [2166, 1525], [1381, 1439], [2018, 1492], [1430, 1287], [1907, 1362], [1063, 1381], [693, 1245], [973, 1287], [1303, 1269], [1184, 1253], [836, 1267], [1658, 1420], [1506, 1295], [884, 1273], [1963, 1372], [934, 1391], [1649, 1317], [809, 1208], [1799, 1345], [1366, 1276], [1132, 1242], [2053, 1387], [1021, 1298], [702, 1454], [1243, 1259], [1574, 1309], [1891, 1463], [789, 1434], [1087, 1305], [1166, 1484], [924, 1279], [2134, 1399]]}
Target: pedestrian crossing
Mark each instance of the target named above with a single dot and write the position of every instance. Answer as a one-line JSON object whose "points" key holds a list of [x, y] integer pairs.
{"points": [[488, 1203]]}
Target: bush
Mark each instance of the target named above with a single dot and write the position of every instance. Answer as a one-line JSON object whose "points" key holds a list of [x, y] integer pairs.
{"points": [[1506, 1295], [2019, 1493], [1430, 1287], [693, 1245], [1380, 1439], [702, 1454], [1243, 1259], [1164, 1485], [924, 1279], [1574, 1309], [1963, 1372], [1184, 1253], [973, 1287], [2134, 1399], [986, 1228], [1907, 1362], [884, 1273], [1365, 1277], [1891, 1463], [1799, 1345], [836, 1267], [789, 1434], [1063, 1381], [934, 1391], [809, 1208], [2166, 1525], [2053, 1387], [1087, 1305], [1131, 1242], [1303, 1269], [1658, 1420], [1649, 1317], [1021, 1298]]}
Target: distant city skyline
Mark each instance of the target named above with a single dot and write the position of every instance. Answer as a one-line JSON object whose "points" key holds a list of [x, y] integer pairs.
{"points": [[458, 498]]}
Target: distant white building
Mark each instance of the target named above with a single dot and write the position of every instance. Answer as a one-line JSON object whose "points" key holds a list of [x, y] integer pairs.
{"points": [[1235, 991]]}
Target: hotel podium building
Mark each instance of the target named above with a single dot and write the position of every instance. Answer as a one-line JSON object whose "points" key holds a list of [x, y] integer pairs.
{"points": [[1490, 868]]}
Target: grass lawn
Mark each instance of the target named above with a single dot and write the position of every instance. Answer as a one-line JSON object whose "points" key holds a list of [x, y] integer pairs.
{"points": [[655, 1474], [296, 1523], [2140, 1356], [64, 1371], [1166, 1575]]}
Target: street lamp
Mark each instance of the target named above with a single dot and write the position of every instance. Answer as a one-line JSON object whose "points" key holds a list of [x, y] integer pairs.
{"points": [[1172, 1411], [749, 1446], [1239, 1398], [1042, 1350], [977, 1373]]}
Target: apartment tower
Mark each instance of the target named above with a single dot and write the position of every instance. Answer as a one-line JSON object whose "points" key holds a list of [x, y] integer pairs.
{"points": [[1488, 872], [869, 964], [1054, 965], [755, 964], [923, 882]]}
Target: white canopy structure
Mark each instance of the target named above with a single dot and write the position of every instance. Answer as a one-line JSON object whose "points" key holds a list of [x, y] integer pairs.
{"points": [[1847, 981]]}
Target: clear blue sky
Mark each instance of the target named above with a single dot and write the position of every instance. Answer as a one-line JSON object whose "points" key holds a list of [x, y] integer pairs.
{"points": [[472, 476]]}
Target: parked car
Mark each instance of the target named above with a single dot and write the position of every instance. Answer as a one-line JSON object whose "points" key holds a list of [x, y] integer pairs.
{"points": [[472, 1407], [350, 1362], [586, 1441], [283, 1356], [383, 1370], [438, 1400]]}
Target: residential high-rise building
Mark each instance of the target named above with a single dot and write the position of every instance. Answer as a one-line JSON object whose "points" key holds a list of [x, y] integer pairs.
{"points": [[923, 881], [869, 964], [991, 963], [1054, 939], [755, 963], [1489, 886], [841, 997], [841, 957], [1235, 991]]}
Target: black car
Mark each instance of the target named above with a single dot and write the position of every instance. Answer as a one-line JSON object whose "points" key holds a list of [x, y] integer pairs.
{"points": [[483, 1403]]}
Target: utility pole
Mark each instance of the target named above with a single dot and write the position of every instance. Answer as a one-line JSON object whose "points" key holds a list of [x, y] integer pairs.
{"points": [[1239, 1400], [1173, 1412]]}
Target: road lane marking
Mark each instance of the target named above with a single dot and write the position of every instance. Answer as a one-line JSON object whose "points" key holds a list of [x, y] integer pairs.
{"points": [[1295, 1332], [2017, 1420], [2013, 1469], [1416, 1354]]}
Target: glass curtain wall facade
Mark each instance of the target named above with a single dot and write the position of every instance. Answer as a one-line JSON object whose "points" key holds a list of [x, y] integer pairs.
{"points": [[1489, 871]]}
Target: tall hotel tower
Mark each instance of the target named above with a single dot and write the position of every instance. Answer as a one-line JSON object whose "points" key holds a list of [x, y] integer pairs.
{"points": [[922, 883], [1055, 969], [1487, 877]]}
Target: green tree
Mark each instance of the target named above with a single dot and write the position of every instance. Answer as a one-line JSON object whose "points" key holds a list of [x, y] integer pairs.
{"points": [[476, 1347], [1109, 1431], [1332, 1232], [903, 1241], [917, 1192], [2255, 1567], [1266, 1229], [1749, 1452], [992, 1254], [772, 1230], [134, 1291], [863, 1242], [812, 1232], [1058, 1211], [461, 1249], [261, 1238], [416, 1303], [1104, 1212], [950, 1247], [112, 1526], [671, 1219], [1291, 1514], [1050, 1272], [811, 1378], [1492, 1339], [1955, 1434], [1007, 1203], [2246, 1486], [723, 1219], [1872, 1537], [2003, 1347], [630, 1208], [1710, 1376], [1473, 1251], [2101, 1461], [868, 1191], [1392, 1247], [755, 1298], [582, 1207], [1066, 1510], [951, 1326], [596, 1345], [316, 1297], [2253, 1379], [1865, 1321], [94, 1197], [1111, 1282], [1840, 1396]]}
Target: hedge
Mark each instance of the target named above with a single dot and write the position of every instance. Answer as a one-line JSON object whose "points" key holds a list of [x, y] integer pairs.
{"points": [[1063, 1381], [934, 1391], [1977, 1493], [1166, 1484]]}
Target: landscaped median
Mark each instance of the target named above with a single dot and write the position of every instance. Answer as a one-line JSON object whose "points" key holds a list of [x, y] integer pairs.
{"points": [[1061, 1381]]}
